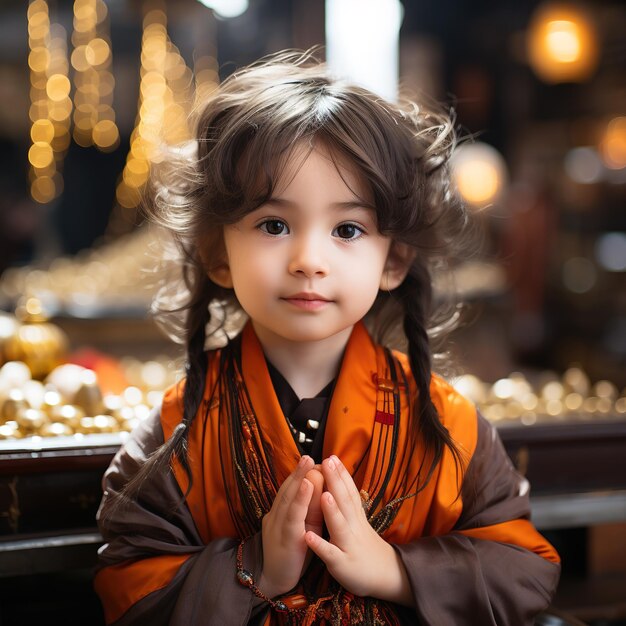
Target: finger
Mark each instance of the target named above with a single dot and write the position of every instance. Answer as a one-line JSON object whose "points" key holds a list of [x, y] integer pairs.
{"points": [[337, 487], [329, 553], [338, 527], [315, 518], [349, 483], [297, 511], [289, 488]]}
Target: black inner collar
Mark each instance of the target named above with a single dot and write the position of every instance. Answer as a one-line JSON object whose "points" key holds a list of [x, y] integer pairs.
{"points": [[307, 416]]}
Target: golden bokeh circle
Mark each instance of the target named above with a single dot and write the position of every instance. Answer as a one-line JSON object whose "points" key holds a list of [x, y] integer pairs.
{"points": [[40, 154], [43, 189], [58, 87], [42, 130], [106, 135]]}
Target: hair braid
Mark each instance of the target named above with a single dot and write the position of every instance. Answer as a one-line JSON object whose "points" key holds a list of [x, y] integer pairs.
{"points": [[160, 460], [196, 367], [416, 295]]}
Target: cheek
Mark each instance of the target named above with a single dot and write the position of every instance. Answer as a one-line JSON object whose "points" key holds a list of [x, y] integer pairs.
{"points": [[251, 274]]}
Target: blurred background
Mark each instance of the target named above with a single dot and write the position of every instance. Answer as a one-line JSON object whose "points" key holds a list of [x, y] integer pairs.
{"points": [[90, 90]]}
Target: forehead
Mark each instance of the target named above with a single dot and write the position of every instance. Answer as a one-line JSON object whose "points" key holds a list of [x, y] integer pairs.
{"points": [[310, 161]]}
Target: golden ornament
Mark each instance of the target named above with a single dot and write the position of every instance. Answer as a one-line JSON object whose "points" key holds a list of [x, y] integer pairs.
{"points": [[38, 343], [12, 404], [8, 329]]}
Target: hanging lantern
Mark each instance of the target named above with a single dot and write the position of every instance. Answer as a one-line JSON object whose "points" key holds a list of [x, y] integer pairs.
{"points": [[562, 44]]}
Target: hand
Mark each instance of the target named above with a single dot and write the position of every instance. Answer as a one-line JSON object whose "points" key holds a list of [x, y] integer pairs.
{"points": [[284, 528], [356, 556]]}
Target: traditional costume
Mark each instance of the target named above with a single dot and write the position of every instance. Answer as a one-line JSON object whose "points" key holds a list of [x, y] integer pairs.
{"points": [[471, 553]]}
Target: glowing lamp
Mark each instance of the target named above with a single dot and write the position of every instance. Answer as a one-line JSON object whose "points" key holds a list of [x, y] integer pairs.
{"points": [[562, 44], [479, 172]]}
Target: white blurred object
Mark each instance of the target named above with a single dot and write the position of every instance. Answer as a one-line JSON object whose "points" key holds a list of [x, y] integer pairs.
{"points": [[611, 251], [227, 8], [583, 165], [362, 42]]}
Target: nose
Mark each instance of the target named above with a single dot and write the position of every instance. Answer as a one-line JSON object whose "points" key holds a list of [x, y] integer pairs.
{"points": [[308, 257]]}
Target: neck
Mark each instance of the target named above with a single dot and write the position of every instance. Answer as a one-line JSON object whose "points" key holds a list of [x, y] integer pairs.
{"points": [[308, 366]]}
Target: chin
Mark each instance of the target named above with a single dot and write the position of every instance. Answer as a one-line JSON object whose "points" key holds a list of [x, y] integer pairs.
{"points": [[312, 334]]}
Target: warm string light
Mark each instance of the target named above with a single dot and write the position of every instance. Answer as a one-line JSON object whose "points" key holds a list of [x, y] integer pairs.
{"points": [[167, 89], [206, 76], [51, 106], [165, 97], [94, 117]]}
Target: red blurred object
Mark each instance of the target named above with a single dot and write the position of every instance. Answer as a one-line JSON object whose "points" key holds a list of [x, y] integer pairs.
{"points": [[110, 374]]}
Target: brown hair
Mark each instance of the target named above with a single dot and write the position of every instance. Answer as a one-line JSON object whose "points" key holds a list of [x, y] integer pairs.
{"points": [[245, 131]]}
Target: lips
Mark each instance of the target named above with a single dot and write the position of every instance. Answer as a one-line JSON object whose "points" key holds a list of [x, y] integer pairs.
{"points": [[307, 301], [307, 296]]}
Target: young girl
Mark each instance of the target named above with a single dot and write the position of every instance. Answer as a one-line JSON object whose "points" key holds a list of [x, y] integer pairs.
{"points": [[304, 473]]}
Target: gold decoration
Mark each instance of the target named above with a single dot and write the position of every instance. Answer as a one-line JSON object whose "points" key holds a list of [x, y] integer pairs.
{"points": [[71, 403], [12, 405], [31, 420], [38, 343], [89, 397], [8, 329], [515, 399]]}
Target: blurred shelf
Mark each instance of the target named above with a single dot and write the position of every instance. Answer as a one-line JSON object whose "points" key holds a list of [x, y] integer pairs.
{"points": [[575, 510]]}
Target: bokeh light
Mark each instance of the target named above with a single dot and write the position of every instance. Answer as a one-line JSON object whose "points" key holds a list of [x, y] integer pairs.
{"points": [[227, 8], [562, 44], [579, 275], [479, 172], [613, 144], [611, 251], [583, 165]]}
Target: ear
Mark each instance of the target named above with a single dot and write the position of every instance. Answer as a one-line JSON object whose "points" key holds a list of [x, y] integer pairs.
{"points": [[220, 275], [215, 265], [399, 260]]}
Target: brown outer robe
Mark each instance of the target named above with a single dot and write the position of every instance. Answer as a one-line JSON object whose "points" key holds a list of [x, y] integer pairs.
{"points": [[470, 560]]}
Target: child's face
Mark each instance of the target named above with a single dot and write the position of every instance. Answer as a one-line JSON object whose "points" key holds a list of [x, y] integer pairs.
{"points": [[308, 264]]}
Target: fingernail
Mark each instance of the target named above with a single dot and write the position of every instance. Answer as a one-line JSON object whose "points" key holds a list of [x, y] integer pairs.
{"points": [[331, 500], [336, 460], [302, 461], [331, 464]]}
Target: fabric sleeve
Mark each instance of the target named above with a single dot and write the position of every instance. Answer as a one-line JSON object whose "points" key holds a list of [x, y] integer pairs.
{"points": [[154, 568], [494, 568]]}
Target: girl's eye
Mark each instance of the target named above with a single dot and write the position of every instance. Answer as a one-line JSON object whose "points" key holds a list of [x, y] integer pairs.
{"points": [[273, 227], [348, 231]]}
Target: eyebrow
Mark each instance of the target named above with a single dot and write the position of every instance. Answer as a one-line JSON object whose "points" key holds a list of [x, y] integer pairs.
{"points": [[346, 205]]}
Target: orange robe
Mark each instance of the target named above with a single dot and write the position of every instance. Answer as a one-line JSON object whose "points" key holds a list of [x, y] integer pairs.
{"points": [[471, 554]]}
